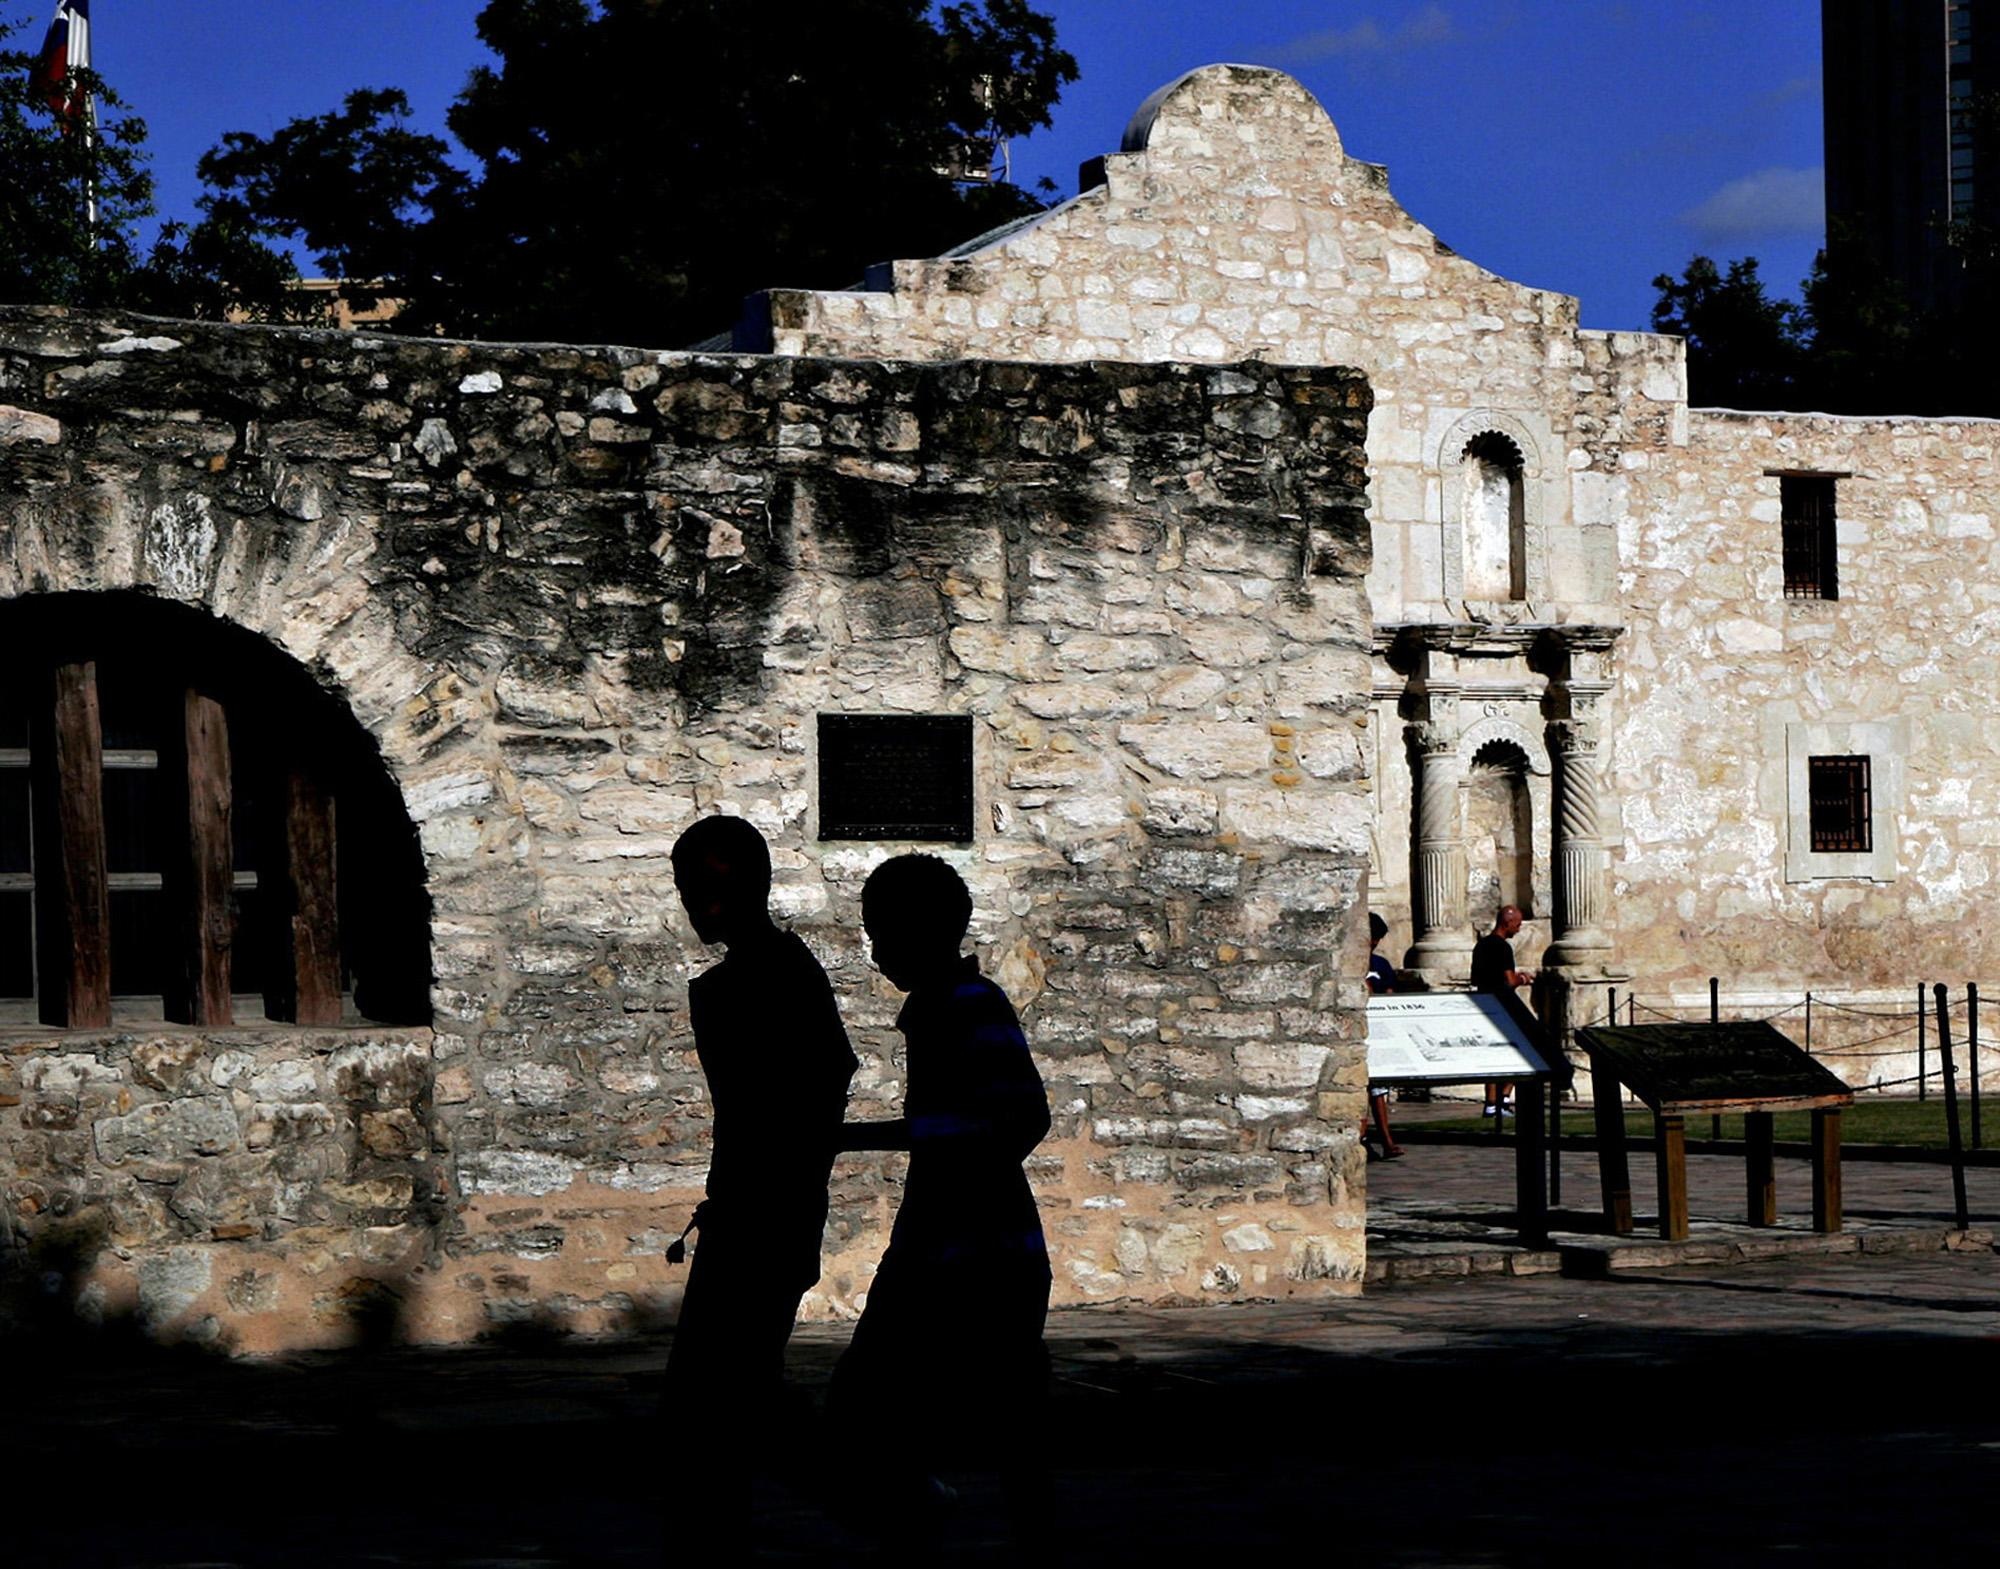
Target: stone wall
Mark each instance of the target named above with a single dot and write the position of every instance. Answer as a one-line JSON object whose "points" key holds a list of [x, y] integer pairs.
{"points": [[580, 596], [1233, 224], [1652, 638], [1726, 681]]}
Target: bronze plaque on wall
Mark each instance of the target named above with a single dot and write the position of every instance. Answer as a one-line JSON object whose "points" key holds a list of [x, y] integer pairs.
{"points": [[895, 776]]}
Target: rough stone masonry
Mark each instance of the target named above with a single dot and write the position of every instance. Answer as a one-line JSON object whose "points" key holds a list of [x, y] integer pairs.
{"points": [[576, 597]]}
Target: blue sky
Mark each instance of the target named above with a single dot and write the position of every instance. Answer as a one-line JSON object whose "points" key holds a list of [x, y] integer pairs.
{"points": [[1571, 144]]}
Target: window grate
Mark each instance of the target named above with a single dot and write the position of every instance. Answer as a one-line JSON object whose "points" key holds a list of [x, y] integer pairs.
{"points": [[1807, 507], [1841, 803]]}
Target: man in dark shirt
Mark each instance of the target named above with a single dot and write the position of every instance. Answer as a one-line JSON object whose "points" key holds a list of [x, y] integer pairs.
{"points": [[1494, 974], [777, 1061]]}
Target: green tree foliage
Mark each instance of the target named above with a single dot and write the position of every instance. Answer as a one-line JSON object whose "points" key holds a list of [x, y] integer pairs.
{"points": [[644, 164], [49, 251], [1744, 348], [354, 187]]}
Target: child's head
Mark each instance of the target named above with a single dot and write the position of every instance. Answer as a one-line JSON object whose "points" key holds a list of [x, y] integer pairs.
{"points": [[1377, 928], [722, 867], [915, 909]]}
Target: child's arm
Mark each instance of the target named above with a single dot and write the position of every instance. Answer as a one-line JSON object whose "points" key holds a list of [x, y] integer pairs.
{"points": [[891, 1135]]}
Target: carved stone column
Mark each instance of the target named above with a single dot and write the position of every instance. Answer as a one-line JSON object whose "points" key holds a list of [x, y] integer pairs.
{"points": [[1580, 861], [1442, 952], [1582, 864]]}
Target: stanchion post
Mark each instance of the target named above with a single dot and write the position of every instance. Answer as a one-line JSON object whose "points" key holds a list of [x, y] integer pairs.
{"points": [[1922, 1015], [1715, 1022], [1972, 1053], [1951, 1105], [1808, 1024]]}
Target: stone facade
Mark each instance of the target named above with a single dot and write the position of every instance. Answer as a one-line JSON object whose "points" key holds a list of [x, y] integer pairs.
{"points": [[1727, 684], [1592, 695], [578, 597]]}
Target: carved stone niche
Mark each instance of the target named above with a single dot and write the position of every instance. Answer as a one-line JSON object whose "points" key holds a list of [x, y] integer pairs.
{"points": [[1494, 488]]}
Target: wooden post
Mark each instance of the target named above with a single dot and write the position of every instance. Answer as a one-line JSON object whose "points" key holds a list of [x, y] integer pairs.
{"points": [[200, 887], [1612, 1170], [306, 987], [1531, 1204], [1670, 1161], [1950, 1073], [1760, 1167], [72, 890], [1826, 1169]]}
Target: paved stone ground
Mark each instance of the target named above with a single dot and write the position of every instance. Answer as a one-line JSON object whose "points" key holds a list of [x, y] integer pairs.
{"points": [[1448, 1208], [1819, 1410]]}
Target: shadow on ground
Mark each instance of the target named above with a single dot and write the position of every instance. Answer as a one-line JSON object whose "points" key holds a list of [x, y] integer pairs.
{"points": [[1826, 1414]]}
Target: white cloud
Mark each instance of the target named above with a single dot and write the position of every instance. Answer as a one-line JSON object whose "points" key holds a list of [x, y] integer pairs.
{"points": [[1421, 29], [1769, 202]]}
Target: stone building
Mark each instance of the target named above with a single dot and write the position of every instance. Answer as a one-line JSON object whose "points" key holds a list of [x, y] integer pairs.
{"points": [[359, 689], [1239, 556], [1622, 647]]}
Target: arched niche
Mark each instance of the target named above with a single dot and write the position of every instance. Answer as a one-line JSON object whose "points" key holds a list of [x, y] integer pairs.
{"points": [[239, 836], [1499, 830], [1495, 517]]}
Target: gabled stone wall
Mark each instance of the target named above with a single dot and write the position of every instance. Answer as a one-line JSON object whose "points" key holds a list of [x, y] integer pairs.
{"points": [[580, 596]]}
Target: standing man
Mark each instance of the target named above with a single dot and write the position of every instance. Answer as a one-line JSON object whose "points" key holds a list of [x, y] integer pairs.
{"points": [[1493, 973], [777, 1061]]}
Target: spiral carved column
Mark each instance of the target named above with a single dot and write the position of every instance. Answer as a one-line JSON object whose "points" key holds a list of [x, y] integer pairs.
{"points": [[1580, 860], [1443, 949]]}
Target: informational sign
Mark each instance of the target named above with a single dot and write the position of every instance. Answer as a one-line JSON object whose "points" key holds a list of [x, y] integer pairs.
{"points": [[1446, 1038]]}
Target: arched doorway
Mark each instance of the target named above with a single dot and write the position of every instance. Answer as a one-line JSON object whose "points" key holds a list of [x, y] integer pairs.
{"points": [[192, 829]]}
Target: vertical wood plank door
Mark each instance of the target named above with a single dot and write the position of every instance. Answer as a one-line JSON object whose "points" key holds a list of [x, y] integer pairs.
{"points": [[72, 889], [315, 924], [202, 881]]}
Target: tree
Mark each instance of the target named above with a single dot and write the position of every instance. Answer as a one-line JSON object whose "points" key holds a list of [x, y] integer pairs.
{"points": [[1744, 348], [644, 164], [354, 187], [50, 252]]}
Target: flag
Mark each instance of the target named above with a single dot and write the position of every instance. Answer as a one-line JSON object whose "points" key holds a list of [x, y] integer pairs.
{"points": [[65, 51]]}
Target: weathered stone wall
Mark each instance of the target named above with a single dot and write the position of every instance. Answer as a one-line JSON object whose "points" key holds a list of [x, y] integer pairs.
{"points": [[580, 596], [1725, 680], [1233, 225]]}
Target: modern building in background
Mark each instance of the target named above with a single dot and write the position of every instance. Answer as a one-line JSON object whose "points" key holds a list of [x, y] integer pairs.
{"points": [[1906, 132]]}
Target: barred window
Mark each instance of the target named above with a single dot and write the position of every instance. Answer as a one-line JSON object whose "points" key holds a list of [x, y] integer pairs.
{"points": [[1807, 506], [1841, 803], [168, 795]]}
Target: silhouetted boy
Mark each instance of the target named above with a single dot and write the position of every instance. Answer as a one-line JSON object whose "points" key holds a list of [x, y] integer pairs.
{"points": [[949, 1345], [777, 1061]]}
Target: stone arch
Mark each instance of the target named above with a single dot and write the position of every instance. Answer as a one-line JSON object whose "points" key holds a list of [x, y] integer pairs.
{"points": [[1494, 728], [291, 573], [147, 652], [1493, 446], [265, 552]]}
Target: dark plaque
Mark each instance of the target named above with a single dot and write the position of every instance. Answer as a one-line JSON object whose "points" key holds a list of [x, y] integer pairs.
{"points": [[895, 776]]}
